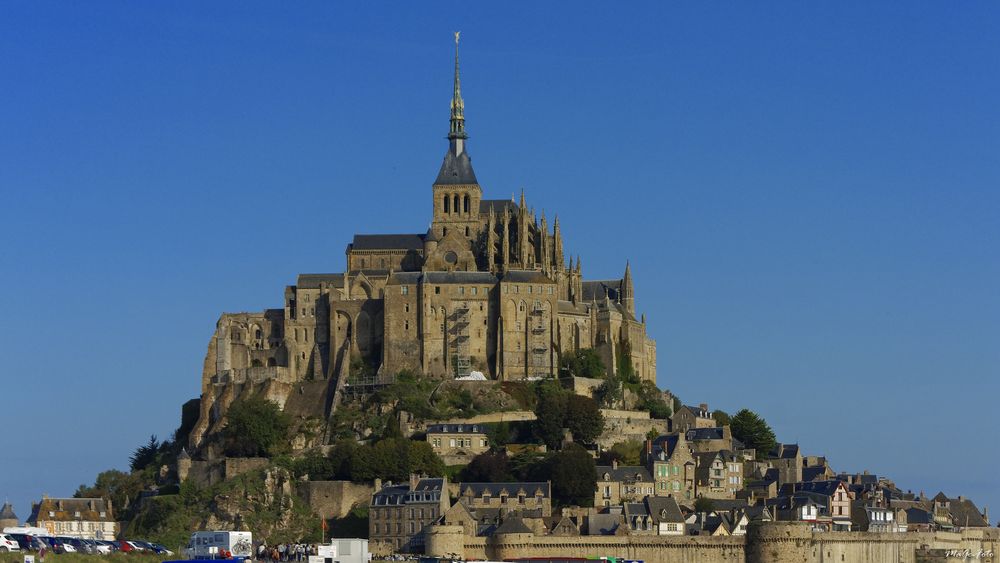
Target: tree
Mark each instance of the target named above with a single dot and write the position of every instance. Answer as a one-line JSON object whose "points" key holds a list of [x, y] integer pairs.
{"points": [[583, 418], [609, 392], [651, 399], [256, 427], [749, 428], [626, 453], [722, 418], [115, 485], [703, 504], [573, 476], [550, 412], [488, 467], [585, 362], [144, 455]]}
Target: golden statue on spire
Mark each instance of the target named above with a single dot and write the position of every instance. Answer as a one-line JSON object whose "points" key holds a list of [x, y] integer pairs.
{"points": [[456, 37]]}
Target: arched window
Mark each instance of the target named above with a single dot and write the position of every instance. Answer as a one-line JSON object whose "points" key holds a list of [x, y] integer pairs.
{"points": [[465, 205], [447, 204], [455, 203]]}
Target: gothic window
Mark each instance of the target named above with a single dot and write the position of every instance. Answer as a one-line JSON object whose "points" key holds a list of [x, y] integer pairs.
{"points": [[465, 208], [455, 203], [447, 204]]}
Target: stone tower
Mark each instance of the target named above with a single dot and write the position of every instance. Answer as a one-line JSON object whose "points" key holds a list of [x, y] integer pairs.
{"points": [[457, 194], [7, 517]]}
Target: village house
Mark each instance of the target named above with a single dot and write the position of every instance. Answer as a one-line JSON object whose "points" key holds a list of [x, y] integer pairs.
{"points": [[499, 499], [457, 444], [718, 474], [688, 417], [617, 484], [672, 465], [85, 518], [831, 494], [398, 514]]}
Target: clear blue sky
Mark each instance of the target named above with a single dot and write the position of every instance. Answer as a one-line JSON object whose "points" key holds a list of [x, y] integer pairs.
{"points": [[808, 194]]}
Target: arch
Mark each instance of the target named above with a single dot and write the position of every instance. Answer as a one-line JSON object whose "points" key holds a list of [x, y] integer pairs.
{"points": [[447, 203], [364, 335], [271, 362], [465, 204], [455, 203]]}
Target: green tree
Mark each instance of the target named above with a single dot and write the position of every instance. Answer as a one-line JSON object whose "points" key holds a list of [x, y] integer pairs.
{"points": [[583, 418], [118, 486], [751, 429], [626, 453], [488, 467], [582, 363], [609, 392], [550, 413], [722, 418], [144, 455], [573, 476], [703, 504], [651, 400], [256, 427]]}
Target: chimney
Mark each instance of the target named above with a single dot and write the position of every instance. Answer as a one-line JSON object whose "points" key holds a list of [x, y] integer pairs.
{"points": [[378, 484], [614, 463], [414, 479], [649, 447], [704, 407]]}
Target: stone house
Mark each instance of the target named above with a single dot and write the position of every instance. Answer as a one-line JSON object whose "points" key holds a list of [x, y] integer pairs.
{"points": [[86, 518], [533, 500], [787, 460], [457, 444], [672, 466], [834, 495], [399, 514], [617, 484], [666, 514], [688, 417], [718, 474]]}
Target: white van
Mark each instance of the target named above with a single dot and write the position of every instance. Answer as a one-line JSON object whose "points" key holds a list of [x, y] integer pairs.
{"points": [[220, 545]]}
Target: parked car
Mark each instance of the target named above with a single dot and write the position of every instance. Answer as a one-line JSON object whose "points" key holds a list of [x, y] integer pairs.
{"points": [[124, 546], [27, 542], [161, 550], [80, 545], [111, 546], [8, 543], [98, 546], [57, 545]]}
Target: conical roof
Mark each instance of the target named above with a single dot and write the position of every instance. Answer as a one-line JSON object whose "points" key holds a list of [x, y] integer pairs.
{"points": [[7, 512]]}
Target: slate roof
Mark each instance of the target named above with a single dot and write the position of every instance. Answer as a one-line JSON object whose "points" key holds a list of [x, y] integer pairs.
{"points": [[785, 451], [497, 205], [388, 242], [401, 494], [64, 510], [312, 281], [511, 488], [513, 525], [597, 289], [570, 307], [526, 276], [664, 509], [603, 524], [825, 488], [7, 513], [714, 433], [456, 170], [624, 473], [812, 473], [666, 444], [918, 516], [965, 513], [455, 429]]}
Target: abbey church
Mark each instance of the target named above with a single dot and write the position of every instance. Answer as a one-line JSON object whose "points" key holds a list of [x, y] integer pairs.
{"points": [[488, 289]]}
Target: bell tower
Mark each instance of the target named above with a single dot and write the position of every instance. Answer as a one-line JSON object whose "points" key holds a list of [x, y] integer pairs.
{"points": [[456, 190]]}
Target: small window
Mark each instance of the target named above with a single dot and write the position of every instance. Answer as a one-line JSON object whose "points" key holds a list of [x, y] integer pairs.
{"points": [[406, 325], [475, 291], [405, 289], [437, 289], [406, 308]]}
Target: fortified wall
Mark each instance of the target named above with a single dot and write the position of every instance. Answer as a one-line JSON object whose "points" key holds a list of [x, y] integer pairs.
{"points": [[769, 542]]}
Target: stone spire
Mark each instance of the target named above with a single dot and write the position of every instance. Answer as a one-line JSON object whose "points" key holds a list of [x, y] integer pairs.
{"points": [[627, 294], [505, 241], [457, 129], [557, 242], [543, 245], [491, 240], [522, 232]]}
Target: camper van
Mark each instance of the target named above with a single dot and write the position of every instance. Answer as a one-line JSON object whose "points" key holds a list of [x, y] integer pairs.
{"points": [[220, 545]]}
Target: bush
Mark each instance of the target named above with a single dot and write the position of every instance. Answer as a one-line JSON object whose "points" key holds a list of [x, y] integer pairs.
{"points": [[582, 363], [256, 427]]}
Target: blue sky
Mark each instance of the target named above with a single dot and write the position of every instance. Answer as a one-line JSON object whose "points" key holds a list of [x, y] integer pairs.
{"points": [[808, 194]]}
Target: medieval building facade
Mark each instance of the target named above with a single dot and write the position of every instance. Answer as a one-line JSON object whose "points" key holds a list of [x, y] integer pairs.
{"points": [[488, 288]]}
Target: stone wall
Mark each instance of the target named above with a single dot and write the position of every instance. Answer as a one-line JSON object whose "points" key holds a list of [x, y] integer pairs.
{"points": [[621, 426], [334, 499], [775, 542]]}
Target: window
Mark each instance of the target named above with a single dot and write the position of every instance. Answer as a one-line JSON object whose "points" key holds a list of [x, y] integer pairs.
{"points": [[406, 308], [405, 289], [475, 291], [437, 289], [461, 290], [447, 204], [406, 325], [529, 289], [451, 442]]}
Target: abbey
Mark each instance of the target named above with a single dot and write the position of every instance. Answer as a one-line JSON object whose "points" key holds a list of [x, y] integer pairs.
{"points": [[487, 288]]}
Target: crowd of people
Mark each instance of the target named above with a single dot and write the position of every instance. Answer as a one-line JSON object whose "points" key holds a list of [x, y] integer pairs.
{"points": [[286, 552]]}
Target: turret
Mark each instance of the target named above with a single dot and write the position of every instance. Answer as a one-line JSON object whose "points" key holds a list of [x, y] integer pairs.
{"points": [[627, 295]]}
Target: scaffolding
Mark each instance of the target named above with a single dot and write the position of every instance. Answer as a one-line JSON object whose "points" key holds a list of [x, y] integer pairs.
{"points": [[539, 345], [461, 360]]}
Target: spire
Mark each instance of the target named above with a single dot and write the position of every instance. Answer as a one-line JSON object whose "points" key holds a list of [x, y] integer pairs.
{"points": [[457, 166], [457, 130], [627, 295]]}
